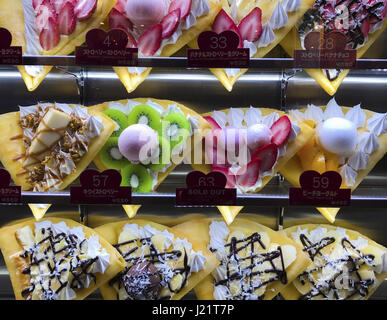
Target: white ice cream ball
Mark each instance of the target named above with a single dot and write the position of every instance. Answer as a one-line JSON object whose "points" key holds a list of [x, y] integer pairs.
{"points": [[138, 143], [258, 135], [338, 135]]}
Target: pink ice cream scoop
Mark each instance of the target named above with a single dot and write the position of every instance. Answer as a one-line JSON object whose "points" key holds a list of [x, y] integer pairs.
{"points": [[146, 13], [258, 135], [138, 143]]}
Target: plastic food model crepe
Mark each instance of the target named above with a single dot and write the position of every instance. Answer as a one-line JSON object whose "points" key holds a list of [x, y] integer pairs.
{"points": [[255, 261], [50, 27], [362, 22], [162, 263], [266, 138], [348, 140], [46, 146], [261, 25], [149, 141], [346, 264], [159, 28], [57, 259]]}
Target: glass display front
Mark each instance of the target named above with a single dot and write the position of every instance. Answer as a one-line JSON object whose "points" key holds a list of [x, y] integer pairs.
{"points": [[257, 174]]}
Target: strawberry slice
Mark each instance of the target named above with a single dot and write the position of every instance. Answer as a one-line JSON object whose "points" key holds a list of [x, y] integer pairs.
{"points": [[49, 37], [150, 40], [183, 5], [36, 3], [212, 122], [268, 156], [250, 27], [66, 19], [231, 179], [44, 12], [84, 9], [132, 43], [170, 23], [59, 4], [121, 6], [365, 26], [248, 175], [236, 30], [117, 20], [223, 22], [281, 130]]}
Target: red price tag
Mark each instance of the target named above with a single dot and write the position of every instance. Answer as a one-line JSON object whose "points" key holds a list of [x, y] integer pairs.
{"points": [[8, 194], [218, 51], [100, 188], [106, 48], [205, 190], [320, 190], [326, 51], [9, 54]]}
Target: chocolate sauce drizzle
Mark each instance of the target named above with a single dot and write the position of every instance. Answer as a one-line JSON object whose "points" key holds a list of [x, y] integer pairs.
{"points": [[353, 261], [243, 273], [358, 12], [328, 18], [155, 258], [57, 260]]}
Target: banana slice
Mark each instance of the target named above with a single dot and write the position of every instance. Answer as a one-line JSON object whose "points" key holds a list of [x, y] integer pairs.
{"points": [[50, 130], [25, 237]]}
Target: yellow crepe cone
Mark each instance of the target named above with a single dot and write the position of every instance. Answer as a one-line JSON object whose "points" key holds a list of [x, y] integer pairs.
{"points": [[306, 133], [203, 126], [132, 80], [229, 212], [292, 42], [12, 148], [243, 9], [12, 18], [293, 169], [131, 210], [39, 210]]}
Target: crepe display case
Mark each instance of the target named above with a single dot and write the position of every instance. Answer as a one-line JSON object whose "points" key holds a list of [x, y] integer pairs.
{"points": [[98, 102]]}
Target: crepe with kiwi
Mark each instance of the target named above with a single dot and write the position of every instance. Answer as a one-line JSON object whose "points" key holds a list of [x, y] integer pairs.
{"points": [[371, 146], [41, 155], [166, 118], [273, 156], [260, 26], [83, 260], [163, 38], [58, 35], [162, 263], [346, 264], [255, 261]]}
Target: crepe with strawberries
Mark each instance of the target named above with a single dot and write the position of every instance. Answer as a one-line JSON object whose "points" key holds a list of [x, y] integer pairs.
{"points": [[362, 22], [249, 146], [260, 26], [50, 27], [348, 140], [159, 28]]}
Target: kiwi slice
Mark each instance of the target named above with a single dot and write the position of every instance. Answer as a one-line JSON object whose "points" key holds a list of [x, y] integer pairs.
{"points": [[177, 128], [118, 117], [137, 177], [164, 157], [144, 114], [111, 156]]}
